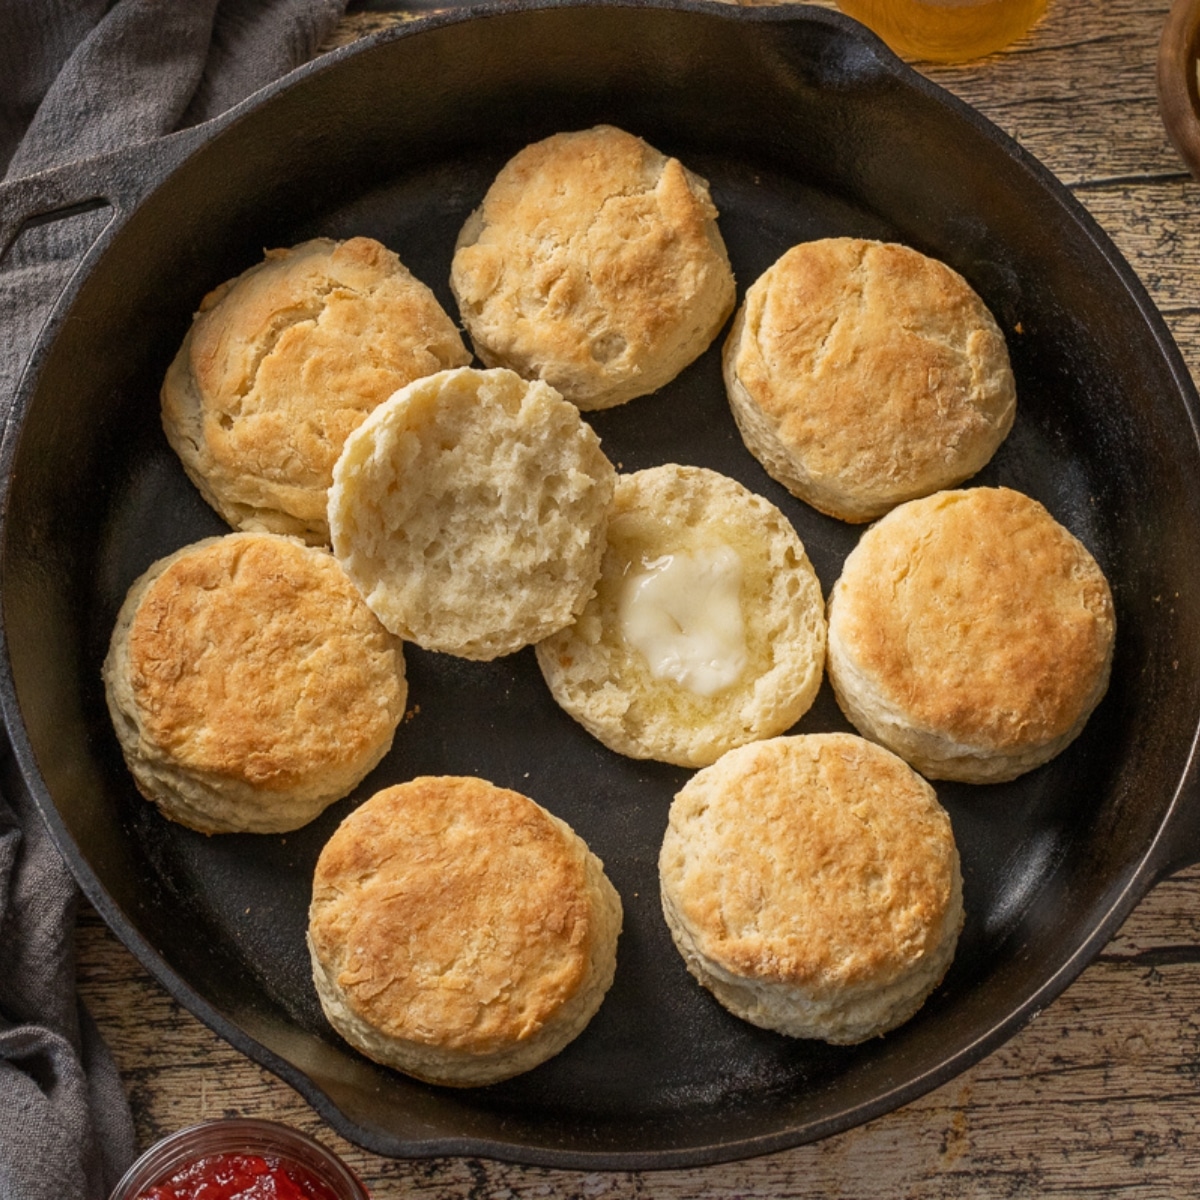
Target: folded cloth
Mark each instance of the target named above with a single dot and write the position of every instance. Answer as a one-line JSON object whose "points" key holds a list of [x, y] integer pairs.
{"points": [[79, 78], [65, 1126]]}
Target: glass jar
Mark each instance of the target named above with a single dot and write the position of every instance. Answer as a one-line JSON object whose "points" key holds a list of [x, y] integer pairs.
{"points": [[946, 30], [289, 1162]]}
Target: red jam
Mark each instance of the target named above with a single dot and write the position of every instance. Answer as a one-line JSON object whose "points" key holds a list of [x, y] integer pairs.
{"points": [[239, 1177]]}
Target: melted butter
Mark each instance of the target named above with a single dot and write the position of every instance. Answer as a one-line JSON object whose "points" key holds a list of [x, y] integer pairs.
{"points": [[683, 613]]}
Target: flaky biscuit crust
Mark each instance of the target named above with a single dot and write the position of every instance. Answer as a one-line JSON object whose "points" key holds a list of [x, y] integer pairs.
{"points": [[813, 885], [471, 509], [249, 684], [971, 633], [863, 374], [594, 263], [459, 932], [606, 684], [283, 362]]}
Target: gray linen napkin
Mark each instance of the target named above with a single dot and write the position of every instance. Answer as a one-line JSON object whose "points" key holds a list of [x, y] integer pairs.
{"points": [[79, 78]]}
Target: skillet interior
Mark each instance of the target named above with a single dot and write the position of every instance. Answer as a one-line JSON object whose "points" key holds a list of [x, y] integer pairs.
{"points": [[805, 128]]}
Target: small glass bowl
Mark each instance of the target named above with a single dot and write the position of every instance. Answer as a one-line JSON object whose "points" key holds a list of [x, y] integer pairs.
{"points": [[239, 1135]]}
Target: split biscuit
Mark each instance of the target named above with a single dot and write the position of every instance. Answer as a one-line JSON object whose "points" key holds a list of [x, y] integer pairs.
{"points": [[707, 627], [459, 932], [470, 510], [970, 633], [281, 363], [813, 885], [249, 685], [862, 374], [594, 263]]}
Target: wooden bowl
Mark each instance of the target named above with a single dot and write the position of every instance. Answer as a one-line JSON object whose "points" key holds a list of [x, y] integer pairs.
{"points": [[1178, 86]]}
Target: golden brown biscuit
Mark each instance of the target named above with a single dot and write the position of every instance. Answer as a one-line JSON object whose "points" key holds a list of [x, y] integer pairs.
{"points": [[812, 884], [459, 932], [862, 374], [281, 363], [707, 626], [970, 633], [470, 510], [249, 685], [594, 263]]}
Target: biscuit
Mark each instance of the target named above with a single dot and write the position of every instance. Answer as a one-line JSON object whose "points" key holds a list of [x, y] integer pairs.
{"points": [[470, 510], [862, 374], [812, 884], [281, 363], [707, 627], [248, 684], [970, 633], [594, 263], [459, 932]]}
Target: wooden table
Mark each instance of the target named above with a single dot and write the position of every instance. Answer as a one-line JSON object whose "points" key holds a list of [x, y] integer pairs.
{"points": [[1100, 1094]]}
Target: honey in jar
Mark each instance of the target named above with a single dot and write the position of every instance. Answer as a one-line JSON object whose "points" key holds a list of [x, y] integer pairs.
{"points": [[945, 30]]}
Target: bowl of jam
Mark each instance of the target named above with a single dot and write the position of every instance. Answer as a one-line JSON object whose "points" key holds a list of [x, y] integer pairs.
{"points": [[239, 1159]]}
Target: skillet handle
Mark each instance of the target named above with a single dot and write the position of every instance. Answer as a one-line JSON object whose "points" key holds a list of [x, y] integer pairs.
{"points": [[117, 180], [115, 183]]}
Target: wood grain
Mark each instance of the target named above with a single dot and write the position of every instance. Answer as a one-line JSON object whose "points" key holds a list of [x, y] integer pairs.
{"points": [[1100, 1094]]}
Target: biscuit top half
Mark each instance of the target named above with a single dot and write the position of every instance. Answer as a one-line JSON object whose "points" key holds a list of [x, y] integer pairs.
{"points": [[878, 367], [289, 357], [454, 913], [819, 861], [977, 614], [253, 657], [592, 259], [470, 509]]}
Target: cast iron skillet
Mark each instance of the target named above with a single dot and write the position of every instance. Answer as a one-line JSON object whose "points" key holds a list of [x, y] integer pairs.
{"points": [[806, 126]]}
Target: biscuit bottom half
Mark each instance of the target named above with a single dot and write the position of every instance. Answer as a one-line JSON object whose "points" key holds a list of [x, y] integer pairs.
{"points": [[707, 626], [459, 932], [812, 884]]}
